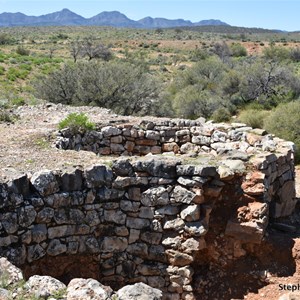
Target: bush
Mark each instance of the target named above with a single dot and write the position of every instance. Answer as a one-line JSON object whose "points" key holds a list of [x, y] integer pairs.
{"points": [[22, 51], [125, 88], [196, 90], [18, 101], [5, 39], [222, 114], [295, 55], [6, 116], [238, 50], [76, 122], [284, 123], [276, 53], [253, 117], [13, 74], [268, 83]]}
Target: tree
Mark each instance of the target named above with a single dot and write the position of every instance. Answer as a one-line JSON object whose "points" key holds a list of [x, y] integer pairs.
{"points": [[268, 83], [206, 74], [222, 50], [192, 102], [197, 91], [59, 87], [92, 50], [118, 86], [75, 50]]}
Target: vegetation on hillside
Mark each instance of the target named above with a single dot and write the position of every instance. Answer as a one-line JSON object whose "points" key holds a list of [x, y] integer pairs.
{"points": [[181, 72]]}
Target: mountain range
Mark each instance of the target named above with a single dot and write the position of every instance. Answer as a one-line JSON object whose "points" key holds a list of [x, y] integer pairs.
{"points": [[112, 18]]}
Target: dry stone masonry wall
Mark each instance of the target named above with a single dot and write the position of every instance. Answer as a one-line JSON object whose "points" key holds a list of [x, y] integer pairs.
{"points": [[145, 219], [176, 136], [236, 145]]}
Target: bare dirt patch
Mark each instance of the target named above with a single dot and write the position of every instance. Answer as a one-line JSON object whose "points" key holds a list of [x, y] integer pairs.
{"points": [[28, 143]]}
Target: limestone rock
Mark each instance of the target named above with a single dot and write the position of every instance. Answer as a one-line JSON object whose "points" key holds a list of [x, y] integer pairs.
{"points": [[201, 140], [45, 215], [43, 286], [177, 258], [11, 273], [192, 244], [168, 210], [139, 291], [71, 180], [114, 244], [9, 222], [122, 167], [236, 165], [174, 243], [39, 233], [191, 213], [45, 182], [87, 289], [155, 196], [176, 224], [5, 294], [26, 215], [109, 131], [152, 135], [157, 167], [18, 183], [138, 249], [182, 195], [56, 247], [189, 148], [137, 223], [97, 176], [115, 216], [195, 228]]}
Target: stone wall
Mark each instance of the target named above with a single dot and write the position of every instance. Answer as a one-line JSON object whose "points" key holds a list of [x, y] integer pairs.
{"points": [[145, 219], [271, 158], [176, 136]]}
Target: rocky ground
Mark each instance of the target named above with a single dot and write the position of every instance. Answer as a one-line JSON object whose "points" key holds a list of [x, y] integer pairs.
{"points": [[27, 145]]}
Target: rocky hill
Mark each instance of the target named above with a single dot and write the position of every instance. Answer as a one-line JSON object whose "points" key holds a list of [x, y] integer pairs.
{"points": [[112, 18]]}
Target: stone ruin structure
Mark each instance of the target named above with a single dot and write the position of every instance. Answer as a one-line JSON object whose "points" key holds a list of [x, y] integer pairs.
{"points": [[150, 215]]}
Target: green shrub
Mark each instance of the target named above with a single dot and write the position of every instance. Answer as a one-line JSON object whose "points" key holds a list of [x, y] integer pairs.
{"points": [[222, 114], [2, 70], [6, 116], [25, 67], [22, 51], [5, 39], [13, 74], [253, 117], [284, 122], [18, 101], [125, 88], [238, 50], [277, 53], [77, 122]]}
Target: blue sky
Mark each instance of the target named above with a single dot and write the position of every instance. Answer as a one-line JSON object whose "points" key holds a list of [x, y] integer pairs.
{"points": [[271, 14]]}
